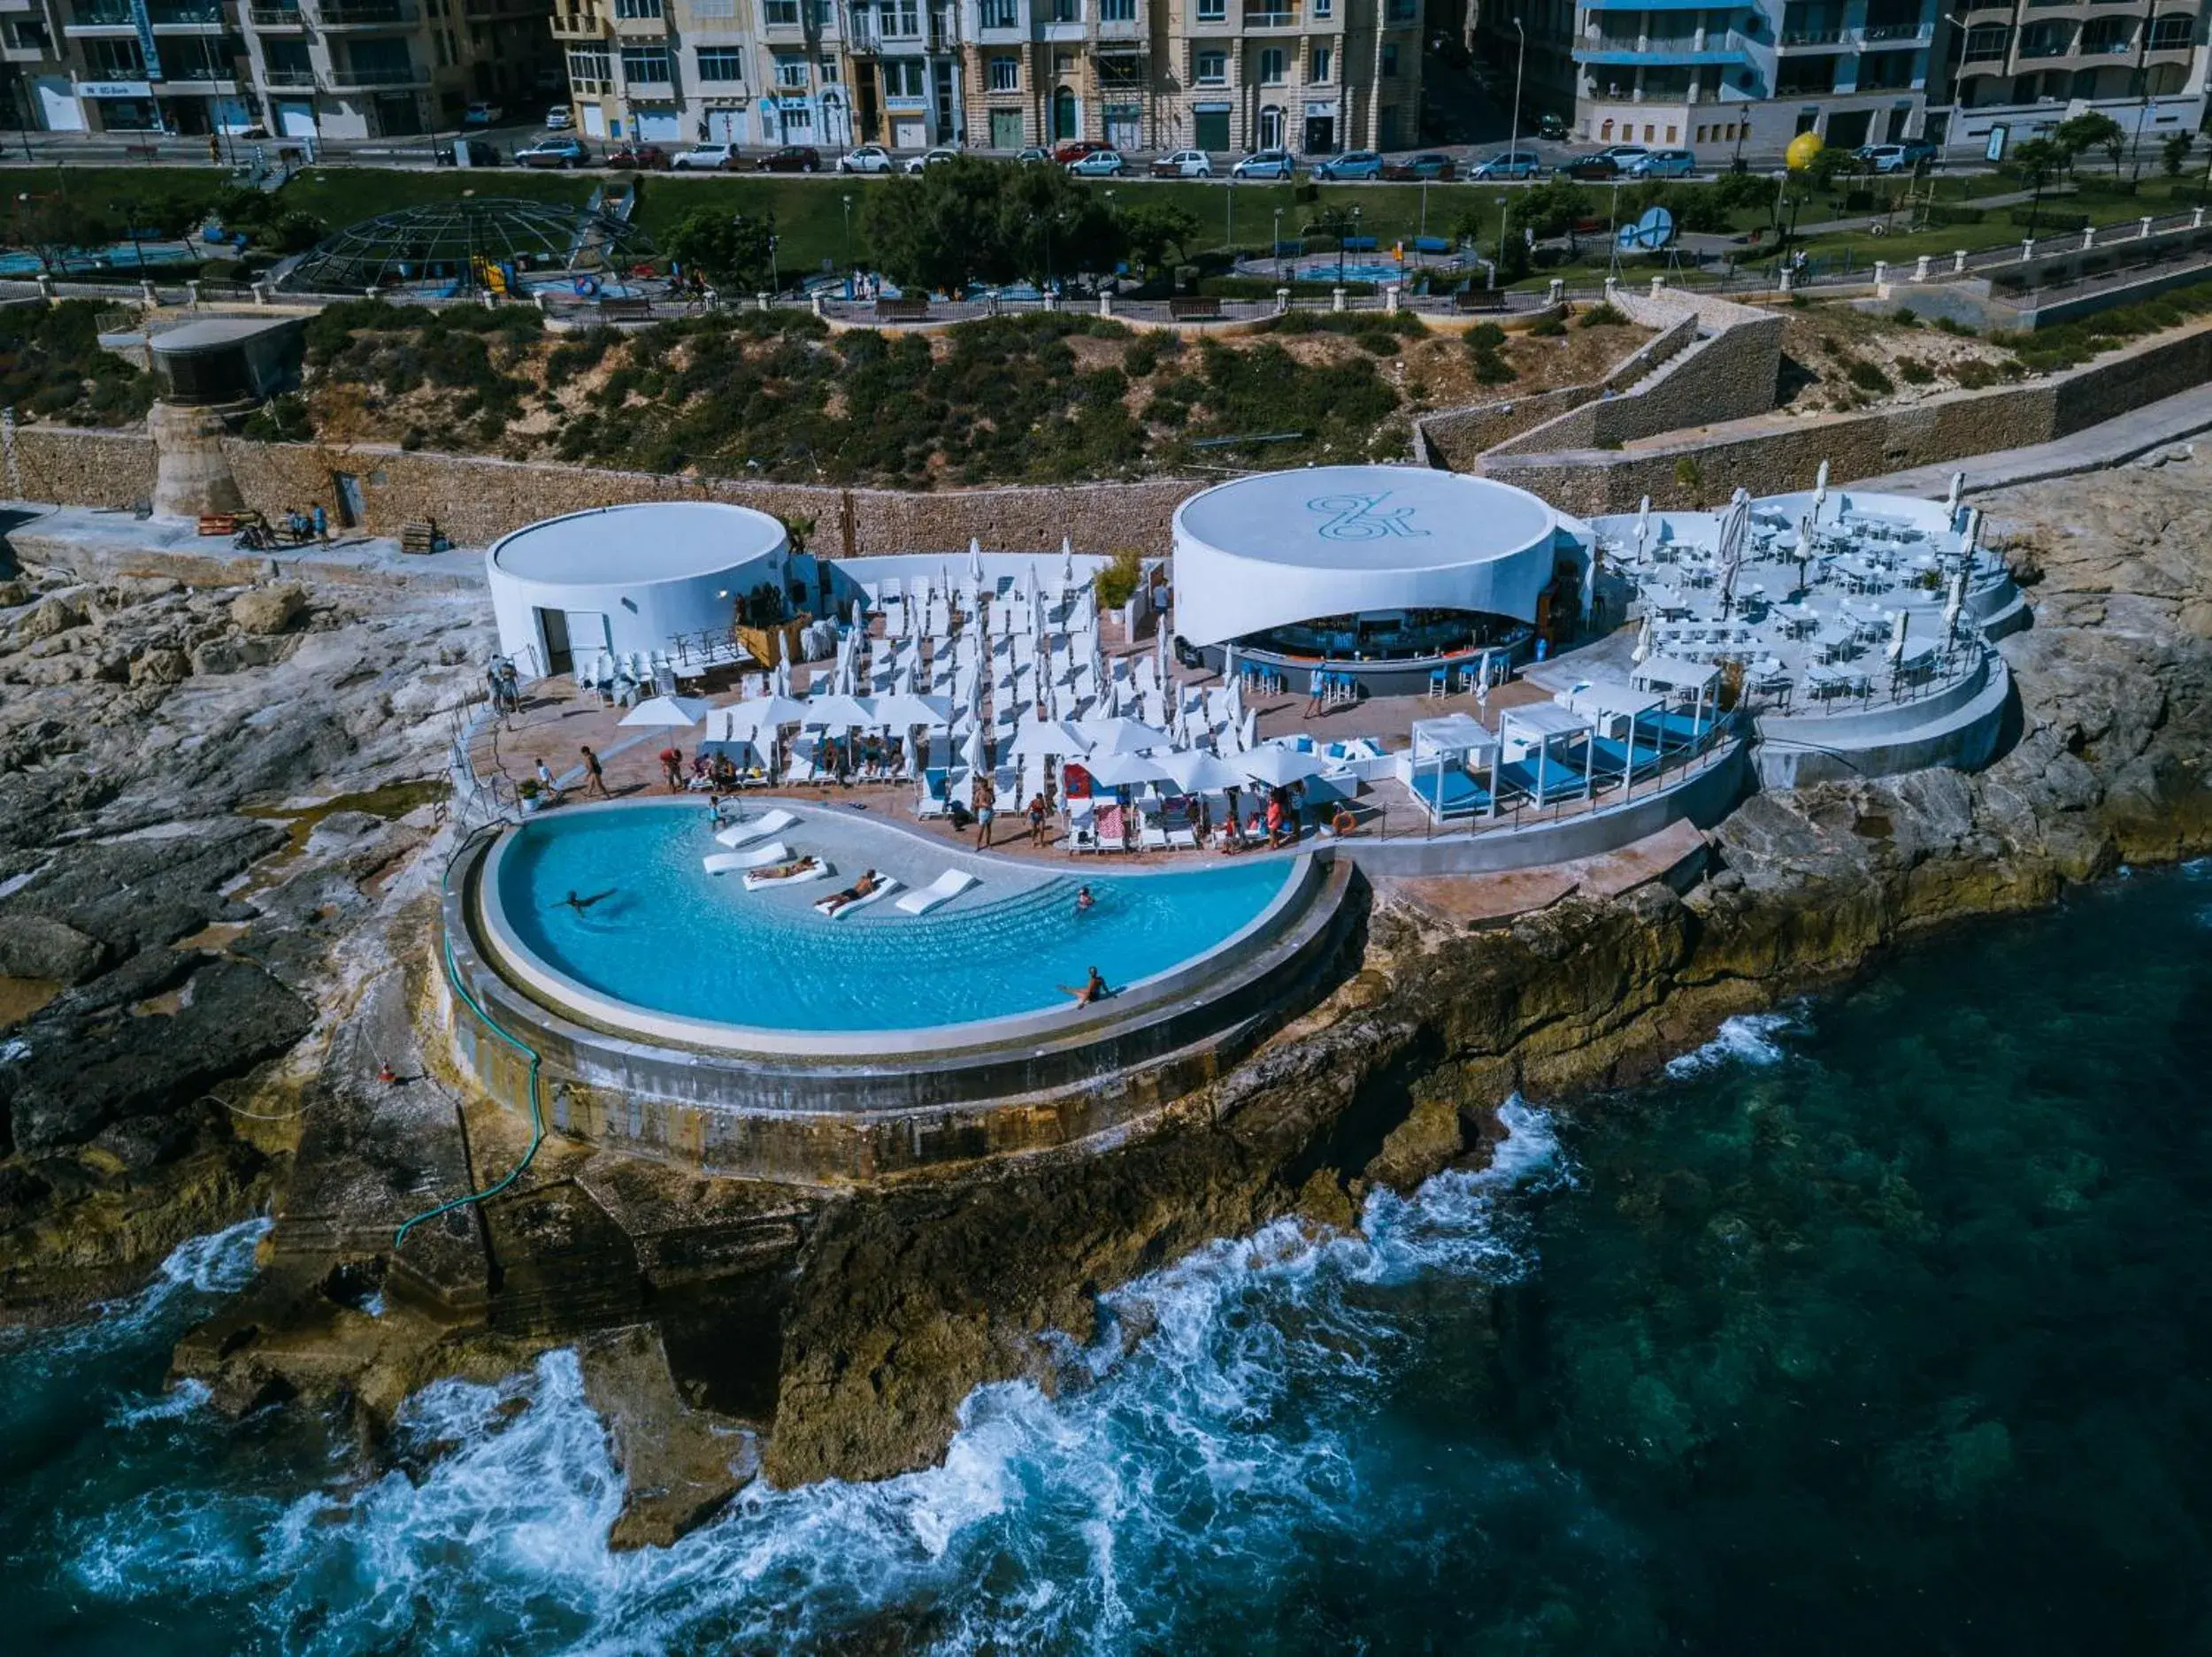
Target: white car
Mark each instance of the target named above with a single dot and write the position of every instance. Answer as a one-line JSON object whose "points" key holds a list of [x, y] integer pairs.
{"points": [[1265, 163], [558, 120], [931, 158], [706, 158], [1183, 163], [867, 159]]}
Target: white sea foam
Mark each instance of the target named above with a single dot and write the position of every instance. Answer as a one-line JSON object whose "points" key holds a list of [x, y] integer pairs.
{"points": [[1746, 1039], [180, 1399], [1227, 1435]]}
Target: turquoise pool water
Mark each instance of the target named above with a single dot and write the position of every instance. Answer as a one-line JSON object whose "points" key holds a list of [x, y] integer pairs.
{"points": [[672, 939]]}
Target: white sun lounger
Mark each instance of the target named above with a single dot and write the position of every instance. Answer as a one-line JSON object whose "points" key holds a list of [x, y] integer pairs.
{"points": [[758, 828], [757, 857], [758, 880], [885, 887], [946, 887]]}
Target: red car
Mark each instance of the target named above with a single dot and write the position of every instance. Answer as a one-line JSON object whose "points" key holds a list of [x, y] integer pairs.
{"points": [[792, 158], [643, 158], [1075, 148]]}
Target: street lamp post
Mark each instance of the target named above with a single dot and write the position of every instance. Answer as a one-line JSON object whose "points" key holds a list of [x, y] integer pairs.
{"points": [[1424, 209], [1513, 132], [847, 202], [1279, 244]]}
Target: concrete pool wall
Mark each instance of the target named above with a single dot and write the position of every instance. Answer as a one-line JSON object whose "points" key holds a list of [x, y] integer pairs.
{"points": [[814, 1117]]}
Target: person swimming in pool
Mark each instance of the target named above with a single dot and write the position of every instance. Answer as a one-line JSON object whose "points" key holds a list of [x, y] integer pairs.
{"points": [[1084, 902], [1093, 990], [581, 904]]}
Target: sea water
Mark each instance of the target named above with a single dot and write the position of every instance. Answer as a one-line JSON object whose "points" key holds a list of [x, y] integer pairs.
{"points": [[1881, 1326]]}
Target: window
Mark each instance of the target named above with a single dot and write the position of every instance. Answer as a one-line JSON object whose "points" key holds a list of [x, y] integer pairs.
{"points": [[721, 63], [1001, 14], [647, 66], [1212, 10], [1390, 61], [114, 59], [1402, 10], [827, 71], [1063, 62], [1117, 11], [904, 20], [714, 8], [1324, 8], [1319, 65], [2172, 33], [1006, 74], [1066, 11], [637, 8], [1210, 69], [902, 78], [798, 120], [790, 72], [1271, 66], [782, 14]]}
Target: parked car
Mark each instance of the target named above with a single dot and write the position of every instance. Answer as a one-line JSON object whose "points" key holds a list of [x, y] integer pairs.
{"points": [[1596, 166], [1183, 163], [1034, 152], [1100, 164], [559, 118], [643, 158], [707, 158], [791, 158], [1894, 158], [565, 151], [1623, 155], [470, 152], [1075, 149], [1430, 165], [1266, 164], [1551, 126], [1508, 164], [930, 158], [1663, 163], [1353, 164], [483, 115], [867, 159]]}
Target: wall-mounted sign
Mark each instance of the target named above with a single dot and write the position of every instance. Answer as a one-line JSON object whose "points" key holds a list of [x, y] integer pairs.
{"points": [[114, 89], [1996, 148]]}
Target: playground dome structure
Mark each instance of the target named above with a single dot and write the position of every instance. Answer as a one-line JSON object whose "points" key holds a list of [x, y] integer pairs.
{"points": [[449, 249]]}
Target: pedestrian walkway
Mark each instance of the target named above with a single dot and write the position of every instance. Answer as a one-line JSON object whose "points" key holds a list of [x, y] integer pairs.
{"points": [[2115, 443]]}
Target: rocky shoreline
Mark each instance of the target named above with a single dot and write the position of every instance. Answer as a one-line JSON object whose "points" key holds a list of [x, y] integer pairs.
{"points": [[215, 995]]}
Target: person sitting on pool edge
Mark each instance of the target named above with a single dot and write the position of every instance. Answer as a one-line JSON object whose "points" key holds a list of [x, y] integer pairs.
{"points": [[867, 883], [1093, 990]]}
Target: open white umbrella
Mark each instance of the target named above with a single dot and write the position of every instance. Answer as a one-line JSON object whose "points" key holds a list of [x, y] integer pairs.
{"points": [[839, 712], [1198, 771], [906, 710], [1045, 739], [1278, 767], [670, 713], [1126, 770], [770, 713], [1117, 735]]}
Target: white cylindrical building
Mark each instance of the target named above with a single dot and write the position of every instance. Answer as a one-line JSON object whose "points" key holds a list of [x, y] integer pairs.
{"points": [[627, 579], [1380, 574]]}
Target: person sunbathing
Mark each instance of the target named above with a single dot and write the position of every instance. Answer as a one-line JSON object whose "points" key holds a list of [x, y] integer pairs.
{"points": [[865, 887], [787, 871]]}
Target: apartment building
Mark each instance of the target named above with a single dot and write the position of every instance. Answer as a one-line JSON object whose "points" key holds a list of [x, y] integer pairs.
{"points": [[1721, 80], [765, 72], [1317, 76], [2015, 70], [304, 69]]}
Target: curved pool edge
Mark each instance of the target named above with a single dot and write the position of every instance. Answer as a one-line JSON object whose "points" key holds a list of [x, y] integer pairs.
{"points": [[564, 992], [829, 1121]]}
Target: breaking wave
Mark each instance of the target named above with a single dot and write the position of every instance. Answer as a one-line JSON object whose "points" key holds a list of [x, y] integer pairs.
{"points": [[1223, 1424], [1746, 1039]]}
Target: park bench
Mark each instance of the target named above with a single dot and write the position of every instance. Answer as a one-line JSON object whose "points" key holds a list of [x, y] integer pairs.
{"points": [[1195, 308], [908, 308], [1469, 301], [625, 310], [1430, 244]]}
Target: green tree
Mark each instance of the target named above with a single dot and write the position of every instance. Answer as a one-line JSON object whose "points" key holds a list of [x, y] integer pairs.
{"points": [[2079, 134], [2173, 155], [1549, 209], [1153, 228], [730, 249], [972, 220], [2037, 161], [54, 226]]}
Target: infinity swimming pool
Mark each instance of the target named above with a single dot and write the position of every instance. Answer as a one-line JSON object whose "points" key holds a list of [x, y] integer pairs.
{"points": [[671, 939]]}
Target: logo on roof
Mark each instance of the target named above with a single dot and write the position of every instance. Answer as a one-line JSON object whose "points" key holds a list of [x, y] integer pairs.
{"points": [[1361, 517]]}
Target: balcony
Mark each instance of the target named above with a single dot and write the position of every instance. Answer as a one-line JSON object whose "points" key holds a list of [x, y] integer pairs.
{"points": [[1814, 40], [1262, 19], [364, 14], [206, 19], [397, 78], [1897, 33], [284, 75], [579, 26], [1701, 46], [27, 52], [101, 16], [274, 20]]}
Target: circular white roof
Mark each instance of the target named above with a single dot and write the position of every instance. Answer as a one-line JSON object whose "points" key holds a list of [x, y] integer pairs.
{"points": [[1287, 547], [1371, 517], [640, 545]]}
